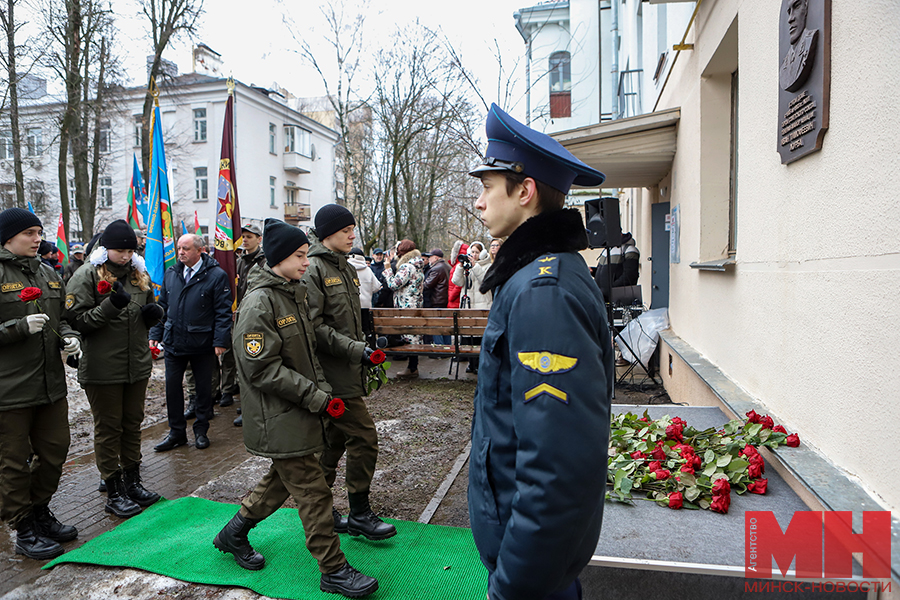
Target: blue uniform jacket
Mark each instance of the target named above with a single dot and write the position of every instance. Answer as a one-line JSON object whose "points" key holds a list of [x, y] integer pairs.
{"points": [[537, 473], [197, 315]]}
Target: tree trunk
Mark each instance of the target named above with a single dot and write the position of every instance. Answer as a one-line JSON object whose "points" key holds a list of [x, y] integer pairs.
{"points": [[71, 121], [14, 103]]}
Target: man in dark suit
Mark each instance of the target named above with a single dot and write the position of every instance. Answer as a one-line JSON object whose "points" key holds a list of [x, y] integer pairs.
{"points": [[195, 329]]}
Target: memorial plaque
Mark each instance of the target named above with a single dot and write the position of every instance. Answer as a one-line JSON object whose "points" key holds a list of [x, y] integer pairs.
{"points": [[804, 76]]}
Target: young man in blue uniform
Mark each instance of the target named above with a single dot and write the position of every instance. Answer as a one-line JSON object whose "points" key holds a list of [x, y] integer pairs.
{"points": [[537, 476]]}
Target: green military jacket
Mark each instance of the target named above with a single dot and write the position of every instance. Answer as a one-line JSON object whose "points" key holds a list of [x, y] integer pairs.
{"points": [[333, 291], [283, 389], [245, 262], [114, 341], [31, 367]]}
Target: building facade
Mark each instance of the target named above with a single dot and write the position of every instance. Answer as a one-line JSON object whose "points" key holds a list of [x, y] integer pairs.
{"points": [[284, 161]]}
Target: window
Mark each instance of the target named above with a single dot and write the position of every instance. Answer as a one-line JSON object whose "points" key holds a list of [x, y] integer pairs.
{"points": [[291, 197], [7, 195], [105, 137], [732, 189], [272, 192], [72, 192], [296, 140], [106, 200], [199, 124], [138, 120], [560, 85], [273, 142], [6, 146], [34, 141], [36, 194], [201, 186]]}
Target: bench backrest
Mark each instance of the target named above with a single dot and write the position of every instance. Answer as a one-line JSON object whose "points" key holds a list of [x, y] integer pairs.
{"points": [[429, 321]]}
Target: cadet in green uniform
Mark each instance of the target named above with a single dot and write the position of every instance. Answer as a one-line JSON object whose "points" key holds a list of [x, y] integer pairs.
{"points": [[111, 304], [34, 414], [252, 255], [333, 291], [285, 397]]}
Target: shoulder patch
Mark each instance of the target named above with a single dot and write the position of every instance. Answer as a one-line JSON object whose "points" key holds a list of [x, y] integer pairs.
{"points": [[70, 301], [546, 362], [356, 282], [12, 287], [330, 281], [54, 285], [545, 268], [548, 389], [285, 321], [253, 343]]}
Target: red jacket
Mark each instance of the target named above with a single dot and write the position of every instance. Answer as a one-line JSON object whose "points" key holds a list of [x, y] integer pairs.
{"points": [[453, 294]]}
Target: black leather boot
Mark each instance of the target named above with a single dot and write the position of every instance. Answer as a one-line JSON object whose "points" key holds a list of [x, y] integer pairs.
{"points": [[135, 490], [117, 500], [191, 412], [33, 545], [239, 422], [227, 400], [348, 582], [362, 521], [340, 522], [233, 539], [48, 526]]}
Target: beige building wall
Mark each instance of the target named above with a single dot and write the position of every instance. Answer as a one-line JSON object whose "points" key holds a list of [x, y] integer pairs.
{"points": [[807, 321]]}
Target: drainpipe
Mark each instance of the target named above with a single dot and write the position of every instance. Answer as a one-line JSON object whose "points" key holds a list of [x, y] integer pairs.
{"points": [[518, 17], [614, 90]]}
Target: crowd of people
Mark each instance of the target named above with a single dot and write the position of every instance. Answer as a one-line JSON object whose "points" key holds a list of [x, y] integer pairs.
{"points": [[293, 350]]}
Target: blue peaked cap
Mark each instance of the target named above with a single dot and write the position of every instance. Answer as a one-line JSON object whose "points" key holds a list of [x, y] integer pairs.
{"points": [[519, 149]]}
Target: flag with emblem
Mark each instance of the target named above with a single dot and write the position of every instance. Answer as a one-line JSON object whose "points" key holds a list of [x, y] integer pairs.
{"points": [[160, 251], [228, 218], [197, 229], [61, 242], [136, 198]]}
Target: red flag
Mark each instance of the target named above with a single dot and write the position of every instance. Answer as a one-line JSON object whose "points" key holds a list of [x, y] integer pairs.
{"points": [[62, 244], [196, 224], [228, 219]]}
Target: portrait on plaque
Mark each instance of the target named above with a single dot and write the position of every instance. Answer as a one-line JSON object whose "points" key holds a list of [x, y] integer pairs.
{"points": [[804, 76]]}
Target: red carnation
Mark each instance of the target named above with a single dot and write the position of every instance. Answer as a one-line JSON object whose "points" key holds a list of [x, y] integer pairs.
{"points": [[696, 461], [779, 429], [29, 294], [679, 421], [758, 486], [658, 453], [792, 440], [754, 470], [721, 503], [378, 357], [335, 408], [687, 469], [676, 500], [767, 422], [154, 353], [753, 417], [673, 432], [103, 287], [721, 487], [655, 466], [638, 455], [661, 474], [749, 450]]}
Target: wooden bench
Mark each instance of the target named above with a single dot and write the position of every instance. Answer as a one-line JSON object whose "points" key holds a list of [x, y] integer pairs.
{"points": [[454, 322]]}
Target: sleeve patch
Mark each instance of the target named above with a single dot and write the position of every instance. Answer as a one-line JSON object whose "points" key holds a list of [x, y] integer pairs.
{"points": [[285, 321], [253, 343], [12, 287], [546, 362], [54, 285], [548, 389], [545, 268], [70, 301]]}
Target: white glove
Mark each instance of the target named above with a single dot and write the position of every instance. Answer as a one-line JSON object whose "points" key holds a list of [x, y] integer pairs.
{"points": [[72, 347], [36, 322]]}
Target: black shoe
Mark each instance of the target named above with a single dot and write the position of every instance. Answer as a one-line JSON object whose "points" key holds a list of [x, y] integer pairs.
{"points": [[33, 545], [238, 410], [217, 398], [362, 521], [170, 443], [191, 412], [102, 487], [117, 500], [233, 539], [340, 522], [227, 400], [348, 582], [471, 369], [47, 525], [201, 442], [135, 490], [239, 422]]}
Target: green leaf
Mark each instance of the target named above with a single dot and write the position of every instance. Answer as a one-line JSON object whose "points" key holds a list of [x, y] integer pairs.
{"points": [[723, 461], [643, 432], [738, 464], [710, 469], [709, 456], [689, 505], [754, 429], [703, 503], [617, 482], [692, 493], [626, 486], [688, 479], [764, 434]]}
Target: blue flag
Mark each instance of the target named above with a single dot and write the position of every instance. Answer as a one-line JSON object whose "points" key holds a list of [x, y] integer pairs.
{"points": [[184, 230], [160, 251], [30, 207]]}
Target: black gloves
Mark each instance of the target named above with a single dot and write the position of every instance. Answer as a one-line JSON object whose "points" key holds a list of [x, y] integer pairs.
{"points": [[367, 357], [151, 313], [120, 298]]}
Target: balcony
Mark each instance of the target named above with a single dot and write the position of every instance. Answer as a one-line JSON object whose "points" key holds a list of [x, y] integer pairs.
{"points": [[294, 213], [294, 162]]}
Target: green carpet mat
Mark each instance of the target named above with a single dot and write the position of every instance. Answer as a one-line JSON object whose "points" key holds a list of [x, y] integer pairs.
{"points": [[174, 538]]}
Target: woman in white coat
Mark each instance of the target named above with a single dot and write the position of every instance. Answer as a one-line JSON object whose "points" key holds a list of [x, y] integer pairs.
{"points": [[368, 283], [481, 262]]}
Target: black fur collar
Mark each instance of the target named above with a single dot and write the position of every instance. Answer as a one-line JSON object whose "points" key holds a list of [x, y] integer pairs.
{"points": [[544, 233]]}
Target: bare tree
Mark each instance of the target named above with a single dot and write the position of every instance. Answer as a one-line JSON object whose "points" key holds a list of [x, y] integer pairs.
{"points": [[168, 20]]}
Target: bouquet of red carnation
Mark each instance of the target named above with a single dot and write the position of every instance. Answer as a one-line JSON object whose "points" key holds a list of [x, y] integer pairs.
{"points": [[104, 287]]}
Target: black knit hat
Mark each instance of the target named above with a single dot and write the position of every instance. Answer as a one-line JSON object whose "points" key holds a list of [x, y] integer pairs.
{"points": [[118, 235], [280, 240], [331, 218], [14, 221], [46, 247]]}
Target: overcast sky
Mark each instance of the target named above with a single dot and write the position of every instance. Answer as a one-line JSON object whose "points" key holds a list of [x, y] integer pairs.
{"points": [[257, 49]]}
